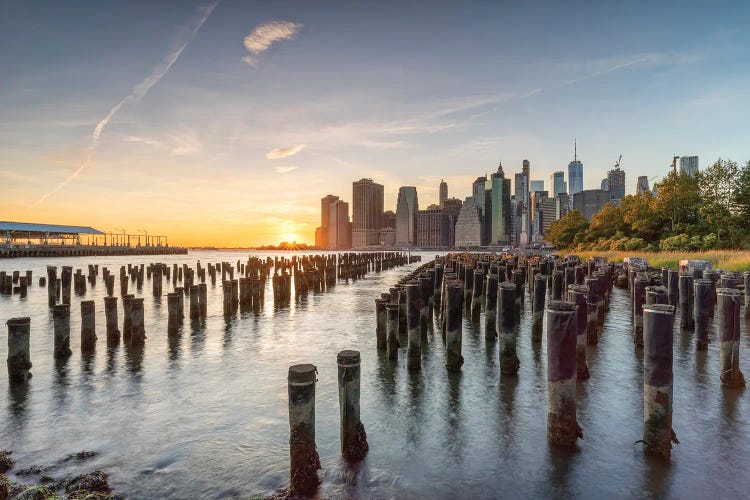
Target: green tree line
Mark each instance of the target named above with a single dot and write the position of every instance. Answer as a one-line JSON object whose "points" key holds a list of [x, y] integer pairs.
{"points": [[708, 211]]}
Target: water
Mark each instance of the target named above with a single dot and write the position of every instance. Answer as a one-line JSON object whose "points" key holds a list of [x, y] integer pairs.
{"points": [[206, 417]]}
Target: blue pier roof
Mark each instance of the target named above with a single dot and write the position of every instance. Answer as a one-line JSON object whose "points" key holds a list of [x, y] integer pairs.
{"points": [[30, 227]]}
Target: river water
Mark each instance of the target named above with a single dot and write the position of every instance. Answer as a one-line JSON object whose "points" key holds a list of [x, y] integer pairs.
{"points": [[207, 416]]}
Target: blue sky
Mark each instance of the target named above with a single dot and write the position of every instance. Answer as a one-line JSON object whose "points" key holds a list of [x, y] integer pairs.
{"points": [[221, 141]]}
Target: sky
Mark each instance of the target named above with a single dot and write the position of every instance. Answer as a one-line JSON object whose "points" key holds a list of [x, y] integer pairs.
{"points": [[224, 123]]}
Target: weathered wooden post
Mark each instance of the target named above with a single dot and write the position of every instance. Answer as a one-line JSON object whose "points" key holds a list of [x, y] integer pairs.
{"points": [[746, 278], [173, 308], [468, 283], [156, 283], [380, 322], [19, 347], [592, 332], [110, 315], [639, 298], [138, 335], [61, 328], [226, 288], [490, 307], [578, 295], [51, 285], [88, 325], [507, 327], [477, 292], [537, 307], [305, 461], [656, 295], [729, 336], [453, 357], [392, 312], [195, 307], [123, 286], [353, 436], [203, 297], [127, 317], [686, 301], [65, 278], [701, 303], [658, 321], [673, 279], [558, 277], [413, 307], [562, 423]]}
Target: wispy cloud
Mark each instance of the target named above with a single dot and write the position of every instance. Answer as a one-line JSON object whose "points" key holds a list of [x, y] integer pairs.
{"points": [[138, 92], [176, 144], [284, 169], [264, 35], [277, 153]]}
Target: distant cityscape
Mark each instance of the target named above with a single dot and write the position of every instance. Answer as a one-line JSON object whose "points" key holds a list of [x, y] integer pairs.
{"points": [[494, 216]]}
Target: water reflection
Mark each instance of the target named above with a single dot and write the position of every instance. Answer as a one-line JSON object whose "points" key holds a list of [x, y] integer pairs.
{"points": [[454, 438], [134, 358]]}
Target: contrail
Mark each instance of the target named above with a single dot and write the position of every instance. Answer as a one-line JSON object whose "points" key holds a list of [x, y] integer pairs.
{"points": [[138, 92]]}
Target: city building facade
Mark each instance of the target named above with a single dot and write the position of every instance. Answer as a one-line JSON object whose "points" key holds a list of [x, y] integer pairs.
{"points": [[590, 201], [407, 206], [432, 228], [443, 194], [642, 186], [616, 183], [689, 165], [469, 226], [557, 183], [339, 226], [367, 213]]}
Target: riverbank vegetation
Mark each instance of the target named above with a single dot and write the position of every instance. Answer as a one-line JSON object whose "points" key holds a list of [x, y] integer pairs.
{"points": [[709, 211]]}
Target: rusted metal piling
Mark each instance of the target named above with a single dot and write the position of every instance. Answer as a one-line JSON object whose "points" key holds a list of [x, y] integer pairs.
{"points": [[507, 328], [88, 325], [305, 461], [562, 423], [110, 315], [639, 299], [453, 358], [702, 299], [19, 347], [729, 301], [353, 436], [577, 294], [413, 307], [138, 335], [537, 307], [658, 321]]}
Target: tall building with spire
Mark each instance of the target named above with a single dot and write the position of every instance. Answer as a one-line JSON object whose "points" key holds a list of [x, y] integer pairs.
{"points": [[443, 193], [575, 173], [500, 221]]}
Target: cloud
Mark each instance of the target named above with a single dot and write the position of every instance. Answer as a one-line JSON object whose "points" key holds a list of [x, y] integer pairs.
{"points": [[277, 153], [135, 95], [264, 35], [284, 169]]}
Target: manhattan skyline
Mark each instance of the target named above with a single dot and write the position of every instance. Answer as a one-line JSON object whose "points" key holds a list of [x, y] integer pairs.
{"points": [[224, 123]]}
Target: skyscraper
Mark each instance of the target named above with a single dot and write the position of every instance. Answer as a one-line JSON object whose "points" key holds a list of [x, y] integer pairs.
{"points": [[689, 165], [616, 182], [642, 186], [500, 207], [367, 213], [469, 225], [536, 186], [339, 226], [406, 216], [432, 228], [557, 183], [477, 192], [575, 173], [590, 201], [525, 235], [443, 193], [322, 239]]}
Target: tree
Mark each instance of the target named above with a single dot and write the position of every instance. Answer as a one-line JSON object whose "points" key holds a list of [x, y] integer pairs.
{"points": [[562, 233], [678, 200], [742, 194], [719, 185], [640, 215], [606, 223]]}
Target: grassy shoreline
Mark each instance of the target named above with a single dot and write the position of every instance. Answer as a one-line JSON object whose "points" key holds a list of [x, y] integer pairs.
{"points": [[729, 260]]}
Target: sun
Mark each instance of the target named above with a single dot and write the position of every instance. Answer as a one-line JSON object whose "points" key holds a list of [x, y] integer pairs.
{"points": [[290, 237]]}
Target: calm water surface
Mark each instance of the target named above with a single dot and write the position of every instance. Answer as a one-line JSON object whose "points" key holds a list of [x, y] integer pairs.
{"points": [[206, 416]]}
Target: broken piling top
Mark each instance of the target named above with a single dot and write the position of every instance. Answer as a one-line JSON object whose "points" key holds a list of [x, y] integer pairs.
{"points": [[345, 358], [302, 374]]}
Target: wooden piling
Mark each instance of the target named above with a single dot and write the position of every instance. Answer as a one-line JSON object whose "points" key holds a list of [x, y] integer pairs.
{"points": [[61, 329], [305, 461], [729, 336], [507, 328], [562, 424], [413, 308], [354, 445], [110, 314], [537, 307], [453, 358], [19, 348], [138, 335]]}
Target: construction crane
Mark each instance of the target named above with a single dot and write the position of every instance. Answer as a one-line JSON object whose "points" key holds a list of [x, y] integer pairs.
{"points": [[617, 163]]}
